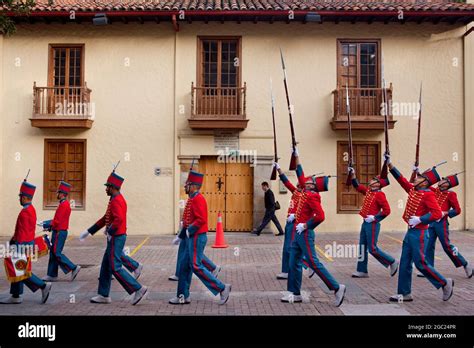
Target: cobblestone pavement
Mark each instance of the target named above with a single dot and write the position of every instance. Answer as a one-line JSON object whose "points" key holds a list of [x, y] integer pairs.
{"points": [[250, 264]]}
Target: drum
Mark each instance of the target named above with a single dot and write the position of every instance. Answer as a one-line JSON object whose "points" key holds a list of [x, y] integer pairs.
{"points": [[42, 245], [17, 267]]}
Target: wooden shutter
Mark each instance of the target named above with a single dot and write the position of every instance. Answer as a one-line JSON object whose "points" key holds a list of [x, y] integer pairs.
{"points": [[65, 159], [366, 165]]}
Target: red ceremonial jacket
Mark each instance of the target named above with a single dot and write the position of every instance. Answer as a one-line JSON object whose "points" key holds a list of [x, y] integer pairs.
{"points": [[115, 218], [420, 203], [295, 197], [448, 201], [25, 225], [195, 214], [375, 203], [309, 210], [60, 221]]}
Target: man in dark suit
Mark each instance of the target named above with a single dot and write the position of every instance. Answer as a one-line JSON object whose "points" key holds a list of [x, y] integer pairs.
{"points": [[270, 207]]}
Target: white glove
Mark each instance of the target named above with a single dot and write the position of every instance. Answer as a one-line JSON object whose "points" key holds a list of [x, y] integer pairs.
{"points": [[187, 233], [295, 151], [84, 235], [386, 156], [276, 165], [176, 241], [369, 219], [109, 237], [39, 223], [414, 220], [350, 170], [180, 225], [300, 228], [416, 169], [291, 218]]}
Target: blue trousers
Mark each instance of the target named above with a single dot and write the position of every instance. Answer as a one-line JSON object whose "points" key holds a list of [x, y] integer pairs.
{"points": [[369, 234], [441, 230], [303, 246], [33, 283], [192, 263], [285, 257], [181, 254], [112, 264], [413, 251], [129, 263], [56, 256]]}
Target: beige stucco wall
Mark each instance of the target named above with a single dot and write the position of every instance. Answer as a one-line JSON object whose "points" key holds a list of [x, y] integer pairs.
{"points": [[469, 127], [138, 108], [134, 119]]}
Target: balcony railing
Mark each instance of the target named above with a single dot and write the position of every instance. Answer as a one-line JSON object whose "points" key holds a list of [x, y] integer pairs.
{"points": [[218, 107], [62, 107], [366, 106]]}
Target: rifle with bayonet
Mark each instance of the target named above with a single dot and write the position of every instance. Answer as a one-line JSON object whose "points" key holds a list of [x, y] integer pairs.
{"points": [[417, 154], [290, 111], [274, 170], [350, 161], [384, 171]]}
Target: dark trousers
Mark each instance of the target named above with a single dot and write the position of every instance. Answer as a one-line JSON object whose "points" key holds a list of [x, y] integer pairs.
{"points": [[269, 216]]}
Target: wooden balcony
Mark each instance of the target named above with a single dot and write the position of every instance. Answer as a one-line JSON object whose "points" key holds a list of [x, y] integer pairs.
{"points": [[366, 108], [218, 108], [62, 107]]}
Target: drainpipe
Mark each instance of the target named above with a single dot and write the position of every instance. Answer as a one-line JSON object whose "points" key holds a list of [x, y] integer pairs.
{"points": [[468, 48]]}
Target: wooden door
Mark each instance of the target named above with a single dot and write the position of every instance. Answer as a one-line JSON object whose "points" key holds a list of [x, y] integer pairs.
{"points": [[228, 188], [239, 197], [213, 189]]}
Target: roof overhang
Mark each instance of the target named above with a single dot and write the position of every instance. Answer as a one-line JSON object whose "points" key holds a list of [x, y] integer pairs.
{"points": [[352, 16]]}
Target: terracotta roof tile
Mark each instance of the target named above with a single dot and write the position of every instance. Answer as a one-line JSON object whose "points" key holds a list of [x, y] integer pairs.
{"points": [[251, 5]]}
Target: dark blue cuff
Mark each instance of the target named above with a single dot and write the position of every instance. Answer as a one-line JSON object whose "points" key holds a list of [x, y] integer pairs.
{"points": [[311, 224], [93, 229], [111, 230], [426, 219], [355, 183], [283, 178], [396, 174], [192, 229], [299, 170], [47, 224], [452, 213], [379, 217]]}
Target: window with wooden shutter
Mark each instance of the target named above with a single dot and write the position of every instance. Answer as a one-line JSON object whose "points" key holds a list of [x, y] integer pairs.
{"points": [[366, 164], [65, 159]]}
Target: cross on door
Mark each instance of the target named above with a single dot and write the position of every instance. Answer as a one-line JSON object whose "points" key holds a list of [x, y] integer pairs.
{"points": [[219, 184]]}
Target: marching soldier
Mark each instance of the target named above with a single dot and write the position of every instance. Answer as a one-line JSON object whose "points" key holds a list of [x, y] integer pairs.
{"points": [[421, 209], [439, 229], [115, 222], [296, 192], [59, 227], [374, 209], [24, 236], [194, 235], [180, 240], [309, 215]]}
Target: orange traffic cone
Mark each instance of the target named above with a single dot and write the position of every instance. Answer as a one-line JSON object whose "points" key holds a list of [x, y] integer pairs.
{"points": [[220, 241]]}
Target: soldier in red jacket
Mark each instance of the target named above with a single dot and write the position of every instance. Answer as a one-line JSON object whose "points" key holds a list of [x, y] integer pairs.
{"points": [[59, 227], [309, 215], [115, 222], [439, 229], [23, 239], [374, 209], [421, 209], [194, 234]]}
